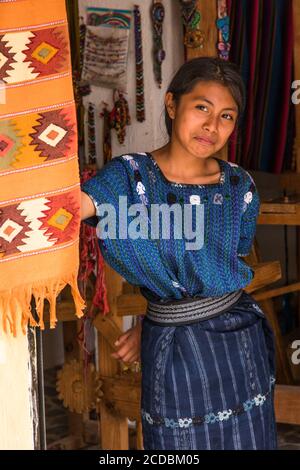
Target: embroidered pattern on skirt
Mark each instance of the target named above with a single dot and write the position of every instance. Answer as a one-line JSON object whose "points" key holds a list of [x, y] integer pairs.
{"points": [[210, 418]]}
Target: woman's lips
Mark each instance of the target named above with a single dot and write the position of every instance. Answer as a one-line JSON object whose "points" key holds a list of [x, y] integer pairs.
{"points": [[204, 141]]}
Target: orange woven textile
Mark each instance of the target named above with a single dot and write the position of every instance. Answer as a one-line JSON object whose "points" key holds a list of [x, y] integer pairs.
{"points": [[39, 174]]}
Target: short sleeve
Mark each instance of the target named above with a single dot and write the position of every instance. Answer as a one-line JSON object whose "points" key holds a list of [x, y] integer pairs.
{"points": [[251, 205], [106, 186]]}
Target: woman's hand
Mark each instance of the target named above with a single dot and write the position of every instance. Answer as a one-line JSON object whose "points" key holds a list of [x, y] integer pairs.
{"points": [[129, 345]]}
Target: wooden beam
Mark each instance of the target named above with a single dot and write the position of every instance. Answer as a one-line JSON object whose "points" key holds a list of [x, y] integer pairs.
{"points": [[278, 219], [113, 427], [264, 274], [270, 293], [122, 395], [131, 304], [108, 329], [287, 404]]}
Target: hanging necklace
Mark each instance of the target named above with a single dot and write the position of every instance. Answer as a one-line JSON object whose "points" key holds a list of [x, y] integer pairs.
{"points": [[191, 18], [107, 150], [159, 55], [139, 66], [120, 117], [91, 135]]}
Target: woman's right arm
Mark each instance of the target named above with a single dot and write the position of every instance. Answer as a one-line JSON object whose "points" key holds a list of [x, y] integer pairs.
{"points": [[87, 206]]}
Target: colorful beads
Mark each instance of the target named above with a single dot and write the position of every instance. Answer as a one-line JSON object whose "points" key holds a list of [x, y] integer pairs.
{"points": [[139, 66], [159, 55]]}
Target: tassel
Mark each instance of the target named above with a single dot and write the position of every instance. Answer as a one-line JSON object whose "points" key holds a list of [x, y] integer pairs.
{"points": [[15, 305]]}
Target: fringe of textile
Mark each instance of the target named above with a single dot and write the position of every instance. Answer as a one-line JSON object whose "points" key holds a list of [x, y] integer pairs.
{"points": [[16, 307]]}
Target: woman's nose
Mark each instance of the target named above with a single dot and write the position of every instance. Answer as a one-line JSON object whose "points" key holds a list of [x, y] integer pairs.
{"points": [[211, 124]]}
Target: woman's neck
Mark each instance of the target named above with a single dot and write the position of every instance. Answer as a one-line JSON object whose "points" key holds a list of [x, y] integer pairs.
{"points": [[179, 165]]}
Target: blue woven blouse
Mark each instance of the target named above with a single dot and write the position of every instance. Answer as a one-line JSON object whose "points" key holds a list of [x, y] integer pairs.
{"points": [[165, 269]]}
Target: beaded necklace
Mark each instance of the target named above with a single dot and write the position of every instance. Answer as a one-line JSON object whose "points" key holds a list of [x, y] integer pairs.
{"points": [[91, 135], [159, 55], [139, 66], [119, 116], [107, 151]]}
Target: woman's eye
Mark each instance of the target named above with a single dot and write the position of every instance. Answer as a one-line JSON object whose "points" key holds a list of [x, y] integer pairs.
{"points": [[201, 106], [228, 117]]}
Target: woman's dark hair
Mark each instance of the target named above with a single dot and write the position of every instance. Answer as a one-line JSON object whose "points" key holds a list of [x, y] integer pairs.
{"points": [[207, 69]]}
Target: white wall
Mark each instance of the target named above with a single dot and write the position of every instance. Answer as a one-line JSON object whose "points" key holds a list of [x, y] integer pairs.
{"points": [[150, 134]]}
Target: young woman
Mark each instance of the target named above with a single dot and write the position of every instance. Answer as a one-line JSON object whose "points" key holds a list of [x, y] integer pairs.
{"points": [[207, 350]]}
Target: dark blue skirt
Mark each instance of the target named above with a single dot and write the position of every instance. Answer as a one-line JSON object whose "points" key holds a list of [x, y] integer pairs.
{"points": [[210, 385]]}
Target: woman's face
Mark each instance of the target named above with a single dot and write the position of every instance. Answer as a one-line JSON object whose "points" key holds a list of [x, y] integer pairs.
{"points": [[203, 119]]}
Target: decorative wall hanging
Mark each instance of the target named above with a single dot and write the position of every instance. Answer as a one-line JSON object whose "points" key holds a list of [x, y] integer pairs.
{"points": [[107, 150], [83, 86], [120, 117], [157, 16], [40, 189], [223, 27], [106, 47], [91, 135], [139, 66], [77, 37], [191, 18]]}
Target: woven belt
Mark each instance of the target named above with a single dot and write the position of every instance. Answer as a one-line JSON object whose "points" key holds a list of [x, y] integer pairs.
{"points": [[192, 310]]}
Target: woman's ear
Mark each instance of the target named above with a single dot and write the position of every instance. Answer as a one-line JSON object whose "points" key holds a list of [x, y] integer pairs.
{"points": [[170, 105]]}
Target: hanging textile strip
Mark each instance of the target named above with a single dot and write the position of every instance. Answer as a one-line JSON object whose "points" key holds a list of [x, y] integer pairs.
{"points": [[91, 135], [157, 16], [222, 23], [191, 18], [40, 189], [139, 66]]}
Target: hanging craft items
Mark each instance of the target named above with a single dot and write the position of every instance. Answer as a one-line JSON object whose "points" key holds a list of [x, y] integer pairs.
{"points": [[83, 86], [191, 17], [139, 66], [157, 16], [106, 47], [223, 27], [107, 150], [91, 135], [120, 117], [40, 188]]}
